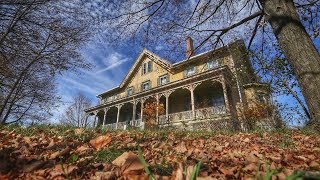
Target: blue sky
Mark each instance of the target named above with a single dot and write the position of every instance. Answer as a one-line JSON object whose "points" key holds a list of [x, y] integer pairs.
{"points": [[109, 66]]}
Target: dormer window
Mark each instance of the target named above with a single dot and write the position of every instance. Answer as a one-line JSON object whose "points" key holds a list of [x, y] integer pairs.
{"points": [[212, 64], [145, 86], [130, 91], [190, 71], [147, 67]]}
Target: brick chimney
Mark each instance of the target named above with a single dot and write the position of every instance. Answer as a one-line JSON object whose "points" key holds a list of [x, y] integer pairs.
{"points": [[189, 52]]}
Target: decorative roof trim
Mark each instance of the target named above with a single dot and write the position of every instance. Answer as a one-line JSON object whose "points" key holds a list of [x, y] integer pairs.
{"points": [[162, 62]]}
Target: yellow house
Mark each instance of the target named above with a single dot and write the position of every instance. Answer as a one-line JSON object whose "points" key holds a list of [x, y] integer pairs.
{"points": [[204, 90]]}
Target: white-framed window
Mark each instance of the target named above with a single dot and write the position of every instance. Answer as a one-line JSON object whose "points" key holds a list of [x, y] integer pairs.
{"points": [[145, 86], [147, 67], [163, 80], [130, 91], [213, 64], [190, 71]]}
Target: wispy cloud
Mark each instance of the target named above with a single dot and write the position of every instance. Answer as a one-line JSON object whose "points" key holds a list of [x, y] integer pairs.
{"points": [[109, 67]]}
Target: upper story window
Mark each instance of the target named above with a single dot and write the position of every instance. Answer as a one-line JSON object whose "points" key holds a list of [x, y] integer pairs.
{"points": [[147, 67], [261, 98], [145, 86], [190, 71], [163, 80], [130, 91], [213, 64]]}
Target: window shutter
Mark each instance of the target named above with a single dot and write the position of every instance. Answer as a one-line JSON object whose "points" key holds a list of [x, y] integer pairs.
{"points": [[158, 81], [150, 66], [142, 69], [141, 87], [168, 78], [149, 82], [185, 73]]}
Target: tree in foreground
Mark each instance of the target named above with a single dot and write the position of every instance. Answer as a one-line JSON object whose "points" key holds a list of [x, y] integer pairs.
{"points": [[38, 39], [74, 114], [212, 23]]}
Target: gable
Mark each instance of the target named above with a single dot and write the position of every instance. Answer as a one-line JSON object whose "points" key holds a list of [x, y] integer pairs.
{"points": [[159, 65]]}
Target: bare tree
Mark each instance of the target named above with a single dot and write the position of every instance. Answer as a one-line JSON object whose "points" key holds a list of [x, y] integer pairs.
{"points": [[38, 39], [213, 23], [74, 115]]}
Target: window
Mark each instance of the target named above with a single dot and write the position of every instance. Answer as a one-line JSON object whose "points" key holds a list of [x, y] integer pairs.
{"points": [[212, 64], [218, 101], [261, 98], [145, 86], [147, 67], [163, 80], [190, 71], [129, 91]]}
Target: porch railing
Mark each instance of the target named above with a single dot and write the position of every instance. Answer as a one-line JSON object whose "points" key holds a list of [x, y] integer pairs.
{"points": [[124, 125], [203, 113]]}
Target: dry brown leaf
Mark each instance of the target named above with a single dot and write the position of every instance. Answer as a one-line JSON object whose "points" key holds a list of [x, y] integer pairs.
{"points": [[100, 142], [246, 140], [250, 167], [181, 147], [128, 161], [83, 150], [314, 164], [104, 175], [51, 144], [32, 166], [178, 174]]}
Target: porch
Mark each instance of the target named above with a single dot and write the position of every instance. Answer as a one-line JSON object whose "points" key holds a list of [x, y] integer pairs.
{"points": [[201, 115], [204, 101]]}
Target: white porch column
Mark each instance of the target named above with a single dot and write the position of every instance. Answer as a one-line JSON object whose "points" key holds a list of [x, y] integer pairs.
{"points": [[225, 94], [104, 116], [95, 119], [167, 106], [142, 101], [157, 110], [192, 103], [134, 111], [118, 115]]}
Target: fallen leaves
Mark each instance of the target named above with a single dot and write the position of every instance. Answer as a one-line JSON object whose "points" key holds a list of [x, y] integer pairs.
{"points": [[101, 141], [85, 154]]}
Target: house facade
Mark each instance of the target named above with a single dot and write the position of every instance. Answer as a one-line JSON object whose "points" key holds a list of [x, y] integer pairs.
{"points": [[207, 90]]}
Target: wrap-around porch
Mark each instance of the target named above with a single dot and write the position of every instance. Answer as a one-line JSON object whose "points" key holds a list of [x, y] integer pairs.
{"points": [[200, 101]]}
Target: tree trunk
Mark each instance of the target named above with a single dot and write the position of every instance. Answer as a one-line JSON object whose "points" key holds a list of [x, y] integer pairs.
{"points": [[299, 49]]}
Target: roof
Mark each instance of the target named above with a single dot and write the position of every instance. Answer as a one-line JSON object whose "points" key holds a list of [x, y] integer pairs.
{"points": [[162, 62]]}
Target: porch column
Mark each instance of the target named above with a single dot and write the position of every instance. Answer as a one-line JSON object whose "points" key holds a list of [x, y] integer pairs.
{"points": [[225, 94], [95, 119], [192, 104], [142, 101], [118, 115], [134, 111], [167, 106], [104, 116], [157, 110]]}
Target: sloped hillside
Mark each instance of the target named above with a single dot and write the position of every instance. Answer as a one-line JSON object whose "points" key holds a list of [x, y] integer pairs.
{"points": [[55, 152]]}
